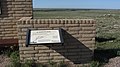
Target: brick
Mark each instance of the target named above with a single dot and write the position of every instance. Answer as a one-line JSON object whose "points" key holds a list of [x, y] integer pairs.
{"points": [[56, 25], [32, 58], [22, 33], [41, 48], [26, 55], [60, 60], [19, 0], [88, 36], [16, 3], [75, 28], [87, 21], [85, 39], [58, 57], [77, 35], [71, 25], [41, 25], [19, 6], [88, 42], [6, 32], [73, 32], [21, 52], [45, 28], [28, 2], [42, 55], [18, 15], [21, 45], [67, 60], [55, 54], [23, 37], [1, 36], [45, 51], [10, 29], [25, 26], [86, 32], [7, 37], [64, 28], [22, 41], [10, 6], [90, 46], [19, 12], [21, 59], [61, 51], [86, 25], [26, 48], [6, 27], [17, 9], [88, 28], [24, 29], [30, 52], [12, 35], [5, 21], [45, 58]]}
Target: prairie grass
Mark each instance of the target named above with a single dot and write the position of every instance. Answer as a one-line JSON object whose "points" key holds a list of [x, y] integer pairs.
{"points": [[107, 23]]}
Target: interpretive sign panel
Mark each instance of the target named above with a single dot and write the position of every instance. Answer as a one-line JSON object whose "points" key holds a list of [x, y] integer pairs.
{"points": [[44, 36]]}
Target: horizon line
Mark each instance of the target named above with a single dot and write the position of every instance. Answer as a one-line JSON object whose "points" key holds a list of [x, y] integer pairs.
{"points": [[81, 8]]}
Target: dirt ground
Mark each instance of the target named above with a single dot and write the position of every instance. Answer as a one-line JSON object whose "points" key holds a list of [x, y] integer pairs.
{"points": [[113, 62], [4, 61]]}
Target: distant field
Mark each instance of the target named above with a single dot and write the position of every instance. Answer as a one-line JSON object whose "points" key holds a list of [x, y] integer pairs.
{"points": [[73, 13], [108, 23]]}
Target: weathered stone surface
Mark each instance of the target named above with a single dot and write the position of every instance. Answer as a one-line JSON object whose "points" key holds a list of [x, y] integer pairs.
{"points": [[41, 48], [26, 48], [42, 55], [78, 36], [26, 55], [30, 52], [12, 11]]}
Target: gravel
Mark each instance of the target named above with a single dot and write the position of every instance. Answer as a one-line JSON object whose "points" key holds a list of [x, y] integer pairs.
{"points": [[113, 62], [4, 61]]}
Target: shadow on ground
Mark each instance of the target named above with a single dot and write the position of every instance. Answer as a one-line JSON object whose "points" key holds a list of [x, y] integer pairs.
{"points": [[100, 39], [105, 55]]}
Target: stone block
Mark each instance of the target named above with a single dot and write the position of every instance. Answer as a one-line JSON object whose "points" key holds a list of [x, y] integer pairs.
{"points": [[75, 29], [41, 25], [45, 58], [26, 55], [56, 25], [71, 25], [30, 52], [42, 55], [26, 48], [42, 48], [55, 54]]}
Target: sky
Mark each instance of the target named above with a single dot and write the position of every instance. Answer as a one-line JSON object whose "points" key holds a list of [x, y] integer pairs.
{"points": [[95, 4]]}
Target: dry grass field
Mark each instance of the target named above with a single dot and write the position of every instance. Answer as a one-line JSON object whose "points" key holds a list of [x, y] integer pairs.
{"points": [[108, 23], [107, 36], [107, 29]]}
